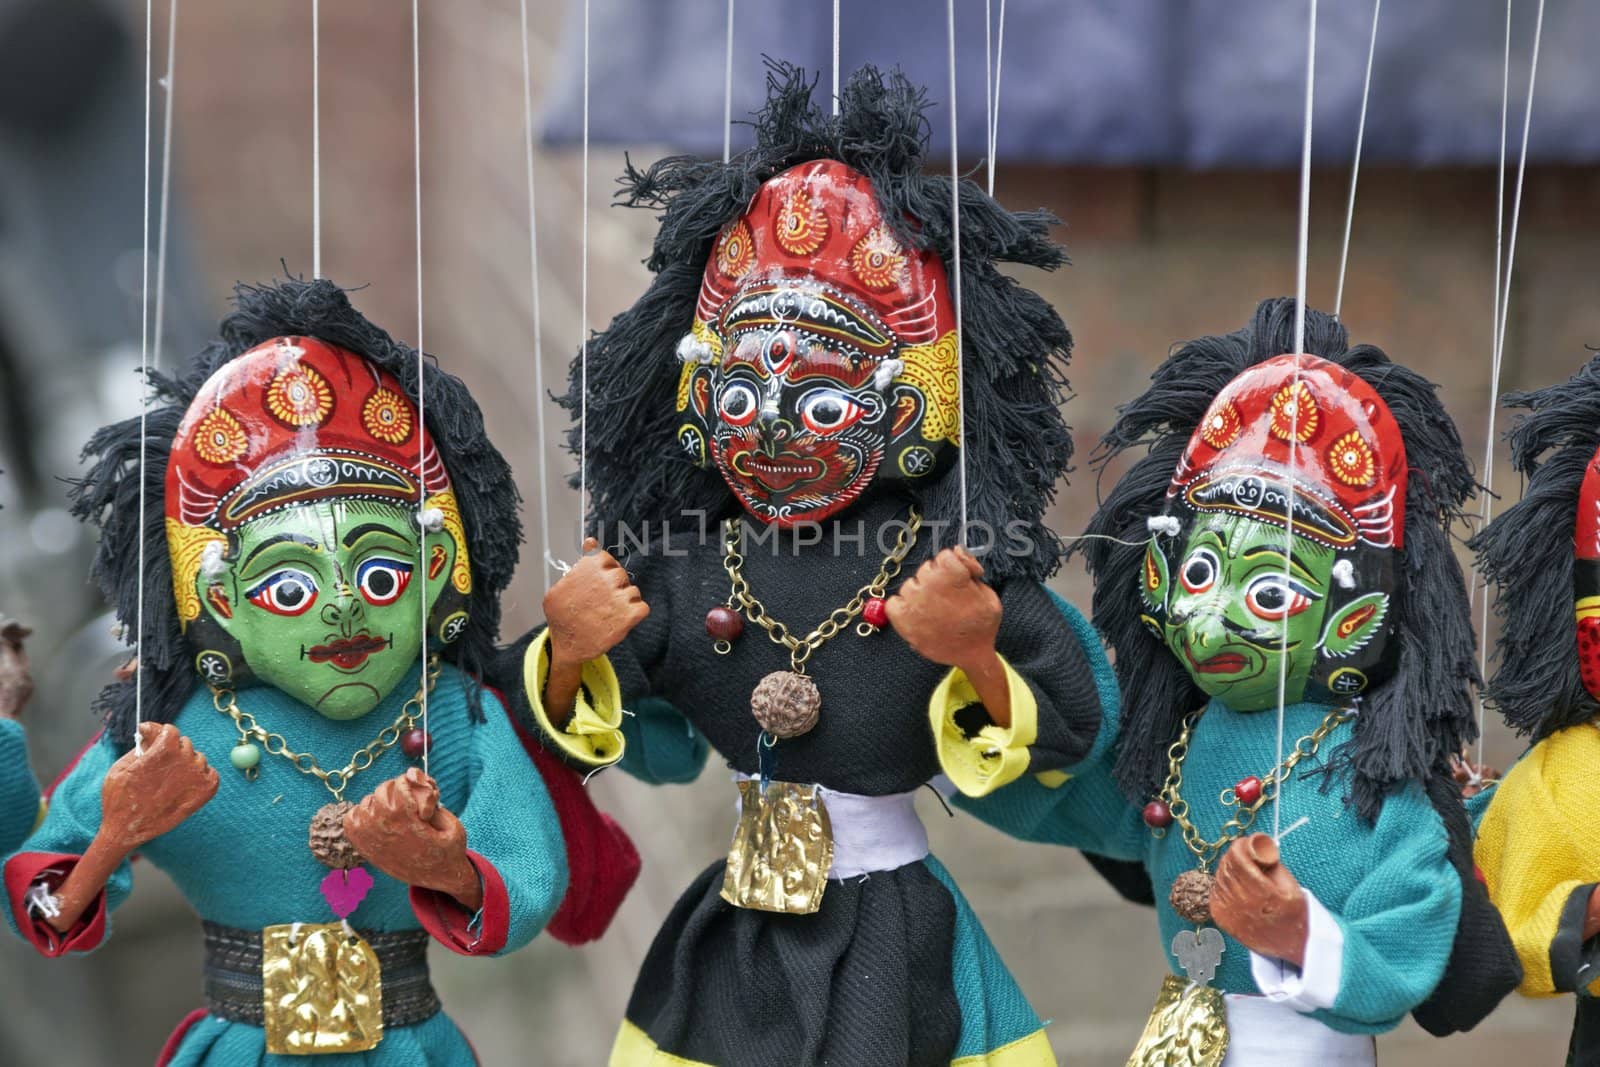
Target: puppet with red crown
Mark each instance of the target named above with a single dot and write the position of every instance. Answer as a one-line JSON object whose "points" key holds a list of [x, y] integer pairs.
{"points": [[328, 799], [772, 434]]}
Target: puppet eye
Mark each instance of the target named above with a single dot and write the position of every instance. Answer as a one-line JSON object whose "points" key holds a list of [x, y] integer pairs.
{"points": [[284, 592], [827, 411], [383, 580], [1272, 596], [738, 403], [1199, 572]]}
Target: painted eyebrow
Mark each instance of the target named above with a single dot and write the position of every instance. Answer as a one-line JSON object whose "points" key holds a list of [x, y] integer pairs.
{"points": [[366, 528], [273, 542], [1267, 550]]}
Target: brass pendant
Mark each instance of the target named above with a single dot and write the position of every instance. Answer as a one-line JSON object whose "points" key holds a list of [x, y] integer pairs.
{"points": [[1191, 897], [328, 842], [786, 704], [782, 849], [1188, 1027], [321, 990]]}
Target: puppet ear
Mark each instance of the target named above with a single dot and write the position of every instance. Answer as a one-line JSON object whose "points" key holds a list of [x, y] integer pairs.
{"points": [[1153, 578], [1353, 625]]}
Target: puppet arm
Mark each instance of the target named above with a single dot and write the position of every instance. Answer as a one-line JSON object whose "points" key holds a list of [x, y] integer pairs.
{"points": [[20, 804], [520, 863], [1538, 856]]}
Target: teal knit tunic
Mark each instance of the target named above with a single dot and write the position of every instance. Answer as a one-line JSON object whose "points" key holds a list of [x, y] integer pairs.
{"points": [[19, 793], [1388, 884], [243, 859]]}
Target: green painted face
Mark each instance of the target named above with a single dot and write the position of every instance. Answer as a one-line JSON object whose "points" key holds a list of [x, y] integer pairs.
{"points": [[1229, 605], [322, 601]]}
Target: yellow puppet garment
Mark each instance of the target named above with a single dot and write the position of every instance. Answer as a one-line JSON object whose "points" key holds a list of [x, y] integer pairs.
{"points": [[593, 735], [982, 761], [1540, 858]]}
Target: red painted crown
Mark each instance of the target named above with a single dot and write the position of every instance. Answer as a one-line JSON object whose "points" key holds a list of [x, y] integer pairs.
{"points": [[1587, 542], [1347, 461]]}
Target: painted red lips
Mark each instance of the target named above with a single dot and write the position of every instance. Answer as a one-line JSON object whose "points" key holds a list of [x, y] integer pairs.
{"points": [[1221, 663], [778, 473], [347, 653]]}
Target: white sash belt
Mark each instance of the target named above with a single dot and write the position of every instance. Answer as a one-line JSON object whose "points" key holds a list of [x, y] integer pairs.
{"points": [[1261, 1031], [871, 834]]}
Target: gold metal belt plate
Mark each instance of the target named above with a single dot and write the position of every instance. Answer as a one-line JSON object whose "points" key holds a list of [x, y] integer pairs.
{"points": [[321, 990], [1188, 1027], [782, 849]]}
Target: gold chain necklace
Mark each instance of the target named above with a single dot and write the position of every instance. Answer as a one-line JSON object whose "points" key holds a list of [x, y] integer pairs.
{"points": [[1191, 890], [787, 703], [328, 843]]}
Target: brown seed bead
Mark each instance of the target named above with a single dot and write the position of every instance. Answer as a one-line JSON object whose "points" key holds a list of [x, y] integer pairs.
{"points": [[1191, 896], [328, 843], [724, 624], [786, 704]]}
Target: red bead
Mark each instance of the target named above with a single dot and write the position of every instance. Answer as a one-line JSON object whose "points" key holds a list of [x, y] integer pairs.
{"points": [[724, 624], [875, 612], [1247, 791], [415, 742], [1157, 815]]}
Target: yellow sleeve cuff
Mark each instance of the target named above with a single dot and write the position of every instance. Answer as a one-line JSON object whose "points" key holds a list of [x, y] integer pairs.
{"points": [[38, 820], [593, 736], [994, 756]]}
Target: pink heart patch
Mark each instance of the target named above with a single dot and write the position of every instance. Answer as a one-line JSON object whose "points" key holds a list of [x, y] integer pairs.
{"points": [[345, 890]]}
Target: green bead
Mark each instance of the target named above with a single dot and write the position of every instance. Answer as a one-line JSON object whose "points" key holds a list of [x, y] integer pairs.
{"points": [[245, 756]]}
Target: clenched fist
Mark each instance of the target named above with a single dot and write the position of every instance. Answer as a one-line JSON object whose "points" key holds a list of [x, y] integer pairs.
{"points": [[152, 789], [949, 615], [589, 611], [401, 830], [16, 682], [1258, 903]]}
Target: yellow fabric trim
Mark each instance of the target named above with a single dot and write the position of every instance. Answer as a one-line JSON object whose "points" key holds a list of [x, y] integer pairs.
{"points": [[1053, 779], [993, 757], [1536, 845], [593, 735], [38, 820], [633, 1048], [1031, 1051]]}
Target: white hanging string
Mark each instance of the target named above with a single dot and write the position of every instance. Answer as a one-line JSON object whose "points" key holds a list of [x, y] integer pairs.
{"points": [[167, 84], [835, 58], [422, 398], [144, 376], [1293, 406], [1355, 167], [1486, 508], [727, 91], [540, 402], [583, 304], [316, 138], [994, 95], [955, 274]]}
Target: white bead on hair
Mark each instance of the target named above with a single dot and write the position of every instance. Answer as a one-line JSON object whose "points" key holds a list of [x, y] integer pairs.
{"points": [[693, 350], [213, 568], [887, 372], [1163, 524], [433, 520], [1344, 572]]}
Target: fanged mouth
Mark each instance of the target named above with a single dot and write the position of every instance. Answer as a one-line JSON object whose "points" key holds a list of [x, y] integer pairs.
{"points": [[1221, 663], [778, 473], [347, 653]]}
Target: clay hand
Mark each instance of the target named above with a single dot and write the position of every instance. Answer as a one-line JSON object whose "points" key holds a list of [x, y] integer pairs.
{"points": [[1473, 778], [947, 613], [1258, 903], [16, 683], [153, 788], [401, 830], [592, 608]]}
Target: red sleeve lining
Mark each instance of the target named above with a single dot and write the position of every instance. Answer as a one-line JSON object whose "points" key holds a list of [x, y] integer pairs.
{"points": [[22, 872], [451, 925]]}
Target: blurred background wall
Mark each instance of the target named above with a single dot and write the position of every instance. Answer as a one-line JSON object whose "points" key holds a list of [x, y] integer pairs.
{"points": [[1164, 134]]}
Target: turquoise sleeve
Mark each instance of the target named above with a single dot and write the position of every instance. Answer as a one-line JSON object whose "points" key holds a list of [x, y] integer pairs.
{"points": [[1399, 922], [511, 822], [19, 791], [662, 746]]}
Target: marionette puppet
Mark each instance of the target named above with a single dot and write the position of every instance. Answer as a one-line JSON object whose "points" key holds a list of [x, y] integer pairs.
{"points": [[782, 402], [1536, 842], [283, 774], [1294, 950], [20, 807]]}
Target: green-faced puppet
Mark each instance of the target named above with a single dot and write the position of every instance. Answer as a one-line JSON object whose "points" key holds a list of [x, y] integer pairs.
{"points": [[1217, 588], [299, 554]]}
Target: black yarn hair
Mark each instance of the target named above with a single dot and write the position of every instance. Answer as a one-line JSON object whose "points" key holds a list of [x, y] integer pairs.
{"points": [[1015, 345], [1409, 722], [1527, 553], [108, 495]]}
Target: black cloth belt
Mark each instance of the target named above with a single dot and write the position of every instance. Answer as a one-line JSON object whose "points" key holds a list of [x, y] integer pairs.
{"points": [[233, 975]]}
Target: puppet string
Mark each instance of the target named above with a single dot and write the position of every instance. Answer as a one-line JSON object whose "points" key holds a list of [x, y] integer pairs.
{"points": [[1355, 167], [316, 138], [955, 274], [994, 96], [1107, 537], [1294, 385], [583, 301], [835, 58], [727, 90], [422, 392], [533, 297], [144, 380], [1487, 505], [167, 84]]}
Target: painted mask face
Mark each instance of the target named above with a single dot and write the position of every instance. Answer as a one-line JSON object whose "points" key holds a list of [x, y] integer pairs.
{"points": [[293, 527], [1221, 595], [823, 352], [1586, 575]]}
